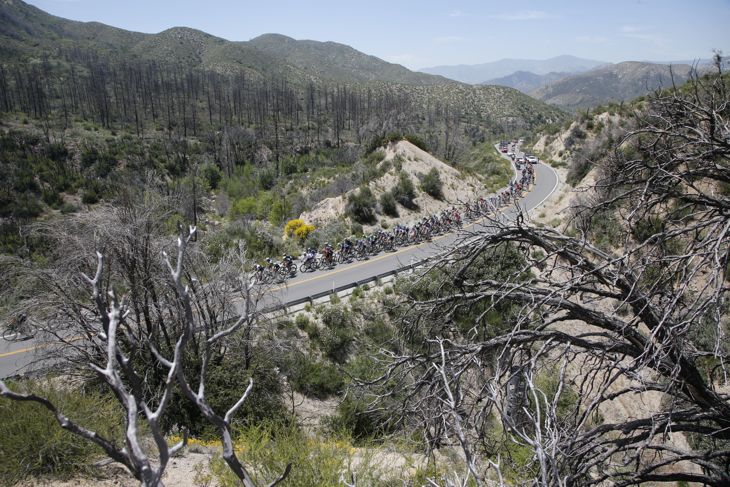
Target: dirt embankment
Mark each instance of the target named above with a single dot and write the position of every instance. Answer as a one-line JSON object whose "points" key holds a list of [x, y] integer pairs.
{"points": [[415, 162]]}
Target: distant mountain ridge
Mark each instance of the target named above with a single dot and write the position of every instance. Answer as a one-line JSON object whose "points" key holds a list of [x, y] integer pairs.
{"points": [[479, 73], [611, 83], [26, 31], [29, 37], [526, 81]]}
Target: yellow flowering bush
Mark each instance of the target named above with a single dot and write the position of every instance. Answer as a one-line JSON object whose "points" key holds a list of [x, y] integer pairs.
{"points": [[298, 228]]}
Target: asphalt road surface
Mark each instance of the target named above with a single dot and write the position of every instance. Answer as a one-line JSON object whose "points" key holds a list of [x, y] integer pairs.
{"points": [[17, 357]]}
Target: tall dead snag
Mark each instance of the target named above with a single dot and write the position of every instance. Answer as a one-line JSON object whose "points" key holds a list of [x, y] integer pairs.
{"points": [[545, 334], [128, 384]]}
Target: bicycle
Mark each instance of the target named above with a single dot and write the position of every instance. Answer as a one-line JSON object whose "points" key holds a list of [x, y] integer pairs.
{"points": [[310, 264], [19, 330]]}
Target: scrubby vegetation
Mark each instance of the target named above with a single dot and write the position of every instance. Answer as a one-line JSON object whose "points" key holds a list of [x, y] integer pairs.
{"points": [[388, 204], [488, 360], [361, 206], [32, 443], [432, 184], [484, 160], [404, 192]]}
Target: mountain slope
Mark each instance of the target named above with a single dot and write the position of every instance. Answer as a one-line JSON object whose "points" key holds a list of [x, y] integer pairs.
{"points": [[336, 61], [616, 82], [26, 31], [479, 73], [526, 81]]}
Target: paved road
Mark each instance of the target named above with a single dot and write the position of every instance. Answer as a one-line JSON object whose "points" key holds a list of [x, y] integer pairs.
{"points": [[16, 357], [307, 284]]}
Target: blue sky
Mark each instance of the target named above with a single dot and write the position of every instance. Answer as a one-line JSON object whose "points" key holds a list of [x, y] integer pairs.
{"points": [[422, 33]]}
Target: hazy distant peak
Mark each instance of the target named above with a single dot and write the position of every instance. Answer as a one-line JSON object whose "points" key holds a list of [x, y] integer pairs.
{"points": [[611, 83], [272, 37], [478, 73], [526, 81]]}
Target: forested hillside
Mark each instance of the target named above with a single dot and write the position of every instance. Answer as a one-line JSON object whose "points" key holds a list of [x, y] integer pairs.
{"points": [[87, 109]]}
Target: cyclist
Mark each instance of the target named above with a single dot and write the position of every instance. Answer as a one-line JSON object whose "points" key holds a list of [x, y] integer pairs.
{"points": [[328, 252], [310, 254], [346, 247], [288, 263]]}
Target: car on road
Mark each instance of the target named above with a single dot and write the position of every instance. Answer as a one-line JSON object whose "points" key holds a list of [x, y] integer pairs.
{"points": [[532, 159]]}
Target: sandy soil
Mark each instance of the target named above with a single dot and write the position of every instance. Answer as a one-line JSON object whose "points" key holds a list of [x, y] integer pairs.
{"points": [[311, 412], [190, 468], [551, 146]]}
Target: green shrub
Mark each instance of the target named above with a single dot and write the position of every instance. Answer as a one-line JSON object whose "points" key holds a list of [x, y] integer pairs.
{"points": [[52, 198], [226, 380], [335, 317], [645, 228], [68, 208], [314, 378], [605, 230], [388, 204], [361, 206], [22, 206], [548, 381], [580, 166], [357, 230], [379, 332], [270, 447], [354, 418], [32, 442], [357, 293], [397, 163], [244, 207], [302, 321], [337, 336], [384, 140], [374, 158], [241, 184], [212, 175], [279, 209], [417, 141], [267, 179], [432, 184], [404, 192]]}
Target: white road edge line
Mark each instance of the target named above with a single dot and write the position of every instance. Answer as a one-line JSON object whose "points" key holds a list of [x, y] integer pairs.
{"points": [[557, 183]]}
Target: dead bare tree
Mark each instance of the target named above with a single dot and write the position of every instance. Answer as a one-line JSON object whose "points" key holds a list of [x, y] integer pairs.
{"points": [[128, 383], [543, 332]]}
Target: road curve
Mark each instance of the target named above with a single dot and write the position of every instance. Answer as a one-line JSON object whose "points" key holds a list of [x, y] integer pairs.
{"points": [[17, 357], [308, 284]]}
